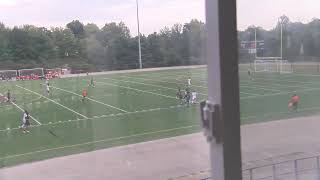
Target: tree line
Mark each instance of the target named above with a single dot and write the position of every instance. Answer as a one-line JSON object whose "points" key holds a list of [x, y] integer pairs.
{"points": [[90, 48], [301, 42]]}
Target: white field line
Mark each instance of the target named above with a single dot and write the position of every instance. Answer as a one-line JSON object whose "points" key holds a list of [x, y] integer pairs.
{"points": [[306, 75], [100, 141], [282, 112], [105, 116], [275, 84], [156, 109], [282, 80], [256, 87], [167, 82], [193, 77], [135, 82], [23, 111], [180, 78], [280, 93], [110, 84], [108, 105], [260, 87], [53, 102], [18, 128], [250, 93], [180, 74]]}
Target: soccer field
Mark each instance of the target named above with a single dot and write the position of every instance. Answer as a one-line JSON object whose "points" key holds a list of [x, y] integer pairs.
{"points": [[133, 107]]}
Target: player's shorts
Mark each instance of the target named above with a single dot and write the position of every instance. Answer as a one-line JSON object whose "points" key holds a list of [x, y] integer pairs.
{"points": [[24, 125], [295, 104]]}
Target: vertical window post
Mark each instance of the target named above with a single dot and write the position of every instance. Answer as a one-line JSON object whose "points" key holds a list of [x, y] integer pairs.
{"points": [[223, 89]]}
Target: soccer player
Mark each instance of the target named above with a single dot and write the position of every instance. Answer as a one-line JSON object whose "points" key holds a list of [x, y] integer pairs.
{"points": [[179, 95], [84, 94], [92, 82], [250, 74], [194, 97], [47, 82], [8, 96], [187, 97], [25, 122], [189, 81], [293, 103], [48, 89]]}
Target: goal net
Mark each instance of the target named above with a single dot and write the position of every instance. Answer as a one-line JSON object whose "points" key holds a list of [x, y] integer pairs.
{"points": [[8, 74], [285, 67], [272, 65], [53, 73], [36, 72], [266, 65]]}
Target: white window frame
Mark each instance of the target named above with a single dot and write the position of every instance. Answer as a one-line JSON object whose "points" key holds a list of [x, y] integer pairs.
{"points": [[223, 87]]}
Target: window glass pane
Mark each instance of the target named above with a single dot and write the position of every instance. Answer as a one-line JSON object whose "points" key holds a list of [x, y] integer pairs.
{"points": [[279, 88], [84, 94]]}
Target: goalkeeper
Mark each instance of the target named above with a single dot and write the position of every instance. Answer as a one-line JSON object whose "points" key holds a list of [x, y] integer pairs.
{"points": [[293, 103]]}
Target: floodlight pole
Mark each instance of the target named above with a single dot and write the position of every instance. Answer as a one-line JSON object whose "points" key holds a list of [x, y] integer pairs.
{"points": [[281, 46], [255, 40], [281, 37], [139, 39]]}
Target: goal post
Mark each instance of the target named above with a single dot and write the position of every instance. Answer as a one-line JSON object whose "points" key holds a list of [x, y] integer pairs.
{"points": [[266, 65], [28, 72], [272, 65], [8, 74], [286, 67]]}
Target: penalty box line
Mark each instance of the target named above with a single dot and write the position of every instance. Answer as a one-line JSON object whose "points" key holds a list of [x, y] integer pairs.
{"points": [[147, 84], [125, 87], [105, 116], [122, 110], [53, 101], [23, 111], [143, 77]]}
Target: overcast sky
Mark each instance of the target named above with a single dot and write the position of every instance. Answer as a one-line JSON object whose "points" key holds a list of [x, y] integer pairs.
{"points": [[154, 14]]}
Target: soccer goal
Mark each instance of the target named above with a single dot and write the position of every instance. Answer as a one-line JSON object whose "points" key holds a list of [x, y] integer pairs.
{"points": [[53, 73], [272, 65], [8, 74], [31, 72], [285, 66]]}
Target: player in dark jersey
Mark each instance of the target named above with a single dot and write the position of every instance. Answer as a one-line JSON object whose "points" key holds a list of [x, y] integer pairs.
{"points": [[180, 95], [250, 74], [8, 96], [25, 122], [92, 82], [187, 97]]}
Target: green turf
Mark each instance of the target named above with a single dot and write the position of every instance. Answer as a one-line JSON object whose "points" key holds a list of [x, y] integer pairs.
{"points": [[130, 108]]}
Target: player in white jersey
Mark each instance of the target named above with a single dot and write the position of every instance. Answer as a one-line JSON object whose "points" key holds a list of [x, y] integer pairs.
{"points": [[48, 89], [189, 81], [194, 97], [25, 122]]}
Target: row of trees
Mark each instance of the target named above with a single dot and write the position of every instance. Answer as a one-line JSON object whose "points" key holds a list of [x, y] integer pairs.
{"points": [[300, 41], [88, 48]]}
